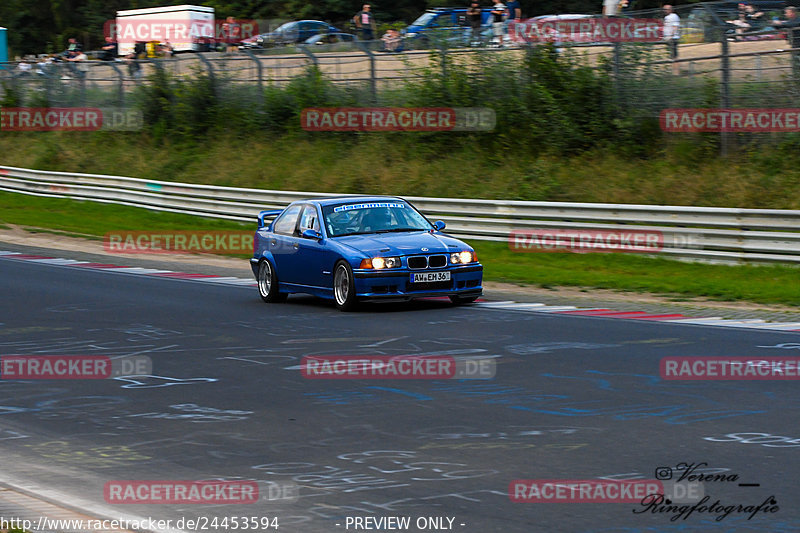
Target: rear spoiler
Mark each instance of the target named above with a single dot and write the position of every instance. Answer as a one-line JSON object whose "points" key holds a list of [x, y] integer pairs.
{"points": [[266, 214]]}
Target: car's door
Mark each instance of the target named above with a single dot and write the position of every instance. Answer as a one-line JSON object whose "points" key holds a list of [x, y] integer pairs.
{"points": [[310, 260], [282, 243]]}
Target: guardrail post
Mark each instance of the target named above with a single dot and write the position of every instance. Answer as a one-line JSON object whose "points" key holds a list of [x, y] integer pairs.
{"points": [[121, 87], [373, 76], [725, 91], [303, 48], [615, 76], [758, 67], [259, 69]]}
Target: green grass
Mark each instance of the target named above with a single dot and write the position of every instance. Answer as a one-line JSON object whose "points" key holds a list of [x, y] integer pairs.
{"points": [[763, 284], [407, 164], [93, 219]]}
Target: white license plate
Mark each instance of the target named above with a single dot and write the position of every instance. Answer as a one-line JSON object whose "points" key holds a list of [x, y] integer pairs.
{"points": [[429, 277]]}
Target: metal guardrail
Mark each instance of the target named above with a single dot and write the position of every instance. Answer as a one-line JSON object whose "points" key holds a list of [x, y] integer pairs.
{"points": [[728, 235]]}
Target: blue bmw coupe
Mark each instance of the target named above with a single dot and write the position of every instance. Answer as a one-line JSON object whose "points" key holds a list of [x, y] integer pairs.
{"points": [[352, 249]]}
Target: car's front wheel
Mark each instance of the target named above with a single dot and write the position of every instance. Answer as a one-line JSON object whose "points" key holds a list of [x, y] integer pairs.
{"points": [[344, 287], [461, 300], [268, 283]]}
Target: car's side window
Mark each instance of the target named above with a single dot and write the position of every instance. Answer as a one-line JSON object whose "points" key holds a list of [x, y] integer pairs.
{"points": [[285, 224], [309, 219]]}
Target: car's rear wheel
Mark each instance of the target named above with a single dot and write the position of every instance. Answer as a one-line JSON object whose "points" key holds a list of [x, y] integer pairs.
{"points": [[462, 300], [268, 283], [344, 287]]}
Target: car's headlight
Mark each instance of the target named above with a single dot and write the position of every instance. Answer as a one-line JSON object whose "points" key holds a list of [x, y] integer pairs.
{"points": [[461, 258], [379, 263]]}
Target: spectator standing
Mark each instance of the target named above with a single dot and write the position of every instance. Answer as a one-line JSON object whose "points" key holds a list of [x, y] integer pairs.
{"points": [[498, 23], [232, 32], [672, 33], [365, 22], [109, 50], [514, 9], [610, 8], [475, 20], [513, 15]]}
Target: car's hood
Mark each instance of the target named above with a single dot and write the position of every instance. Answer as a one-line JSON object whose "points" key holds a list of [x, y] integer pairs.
{"points": [[410, 243]]}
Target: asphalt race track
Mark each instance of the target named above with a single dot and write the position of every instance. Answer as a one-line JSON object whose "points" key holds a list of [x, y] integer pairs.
{"points": [[574, 398]]}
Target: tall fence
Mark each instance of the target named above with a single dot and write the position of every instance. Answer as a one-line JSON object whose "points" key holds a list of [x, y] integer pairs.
{"points": [[716, 67], [700, 233]]}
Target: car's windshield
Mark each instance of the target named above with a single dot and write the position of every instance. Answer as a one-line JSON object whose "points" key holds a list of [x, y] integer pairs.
{"points": [[423, 19], [372, 217], [286, 27]]}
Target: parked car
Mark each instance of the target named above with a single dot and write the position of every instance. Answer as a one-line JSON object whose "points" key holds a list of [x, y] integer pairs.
{"points": [[333, 41], [444, 22], [290, 33], [352, 249]]}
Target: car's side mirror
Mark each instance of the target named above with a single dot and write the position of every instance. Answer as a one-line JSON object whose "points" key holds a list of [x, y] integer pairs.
{"points": [[439, 225], [311, 234]]}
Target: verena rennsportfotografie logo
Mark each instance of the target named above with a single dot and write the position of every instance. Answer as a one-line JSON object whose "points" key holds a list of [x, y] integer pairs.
{"points": [[730, 368], [73, 366], [177, 242], [396, 367], [730, 120], [582, 490], [586, 30], [375, 119], [178, 31], [180, 492], [69, 119], [586, 240]]}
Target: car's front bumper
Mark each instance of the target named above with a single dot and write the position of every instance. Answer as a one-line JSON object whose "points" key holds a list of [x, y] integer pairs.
{"points": [[396, 285]]}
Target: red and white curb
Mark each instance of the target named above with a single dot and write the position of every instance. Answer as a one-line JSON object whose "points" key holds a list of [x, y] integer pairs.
{"points": [[210, 278], [674, 318]]}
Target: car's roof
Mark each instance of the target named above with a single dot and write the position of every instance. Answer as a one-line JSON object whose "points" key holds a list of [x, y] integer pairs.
{"points": [[351, 199]]}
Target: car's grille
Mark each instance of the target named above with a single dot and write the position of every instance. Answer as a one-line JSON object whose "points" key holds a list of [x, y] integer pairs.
{"points": [[434, 286], [418, 262], [437, 261]]}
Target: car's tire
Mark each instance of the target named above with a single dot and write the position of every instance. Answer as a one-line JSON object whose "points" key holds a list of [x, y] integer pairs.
{"points": [[462, 300], [344, 287], [268, 283]]}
